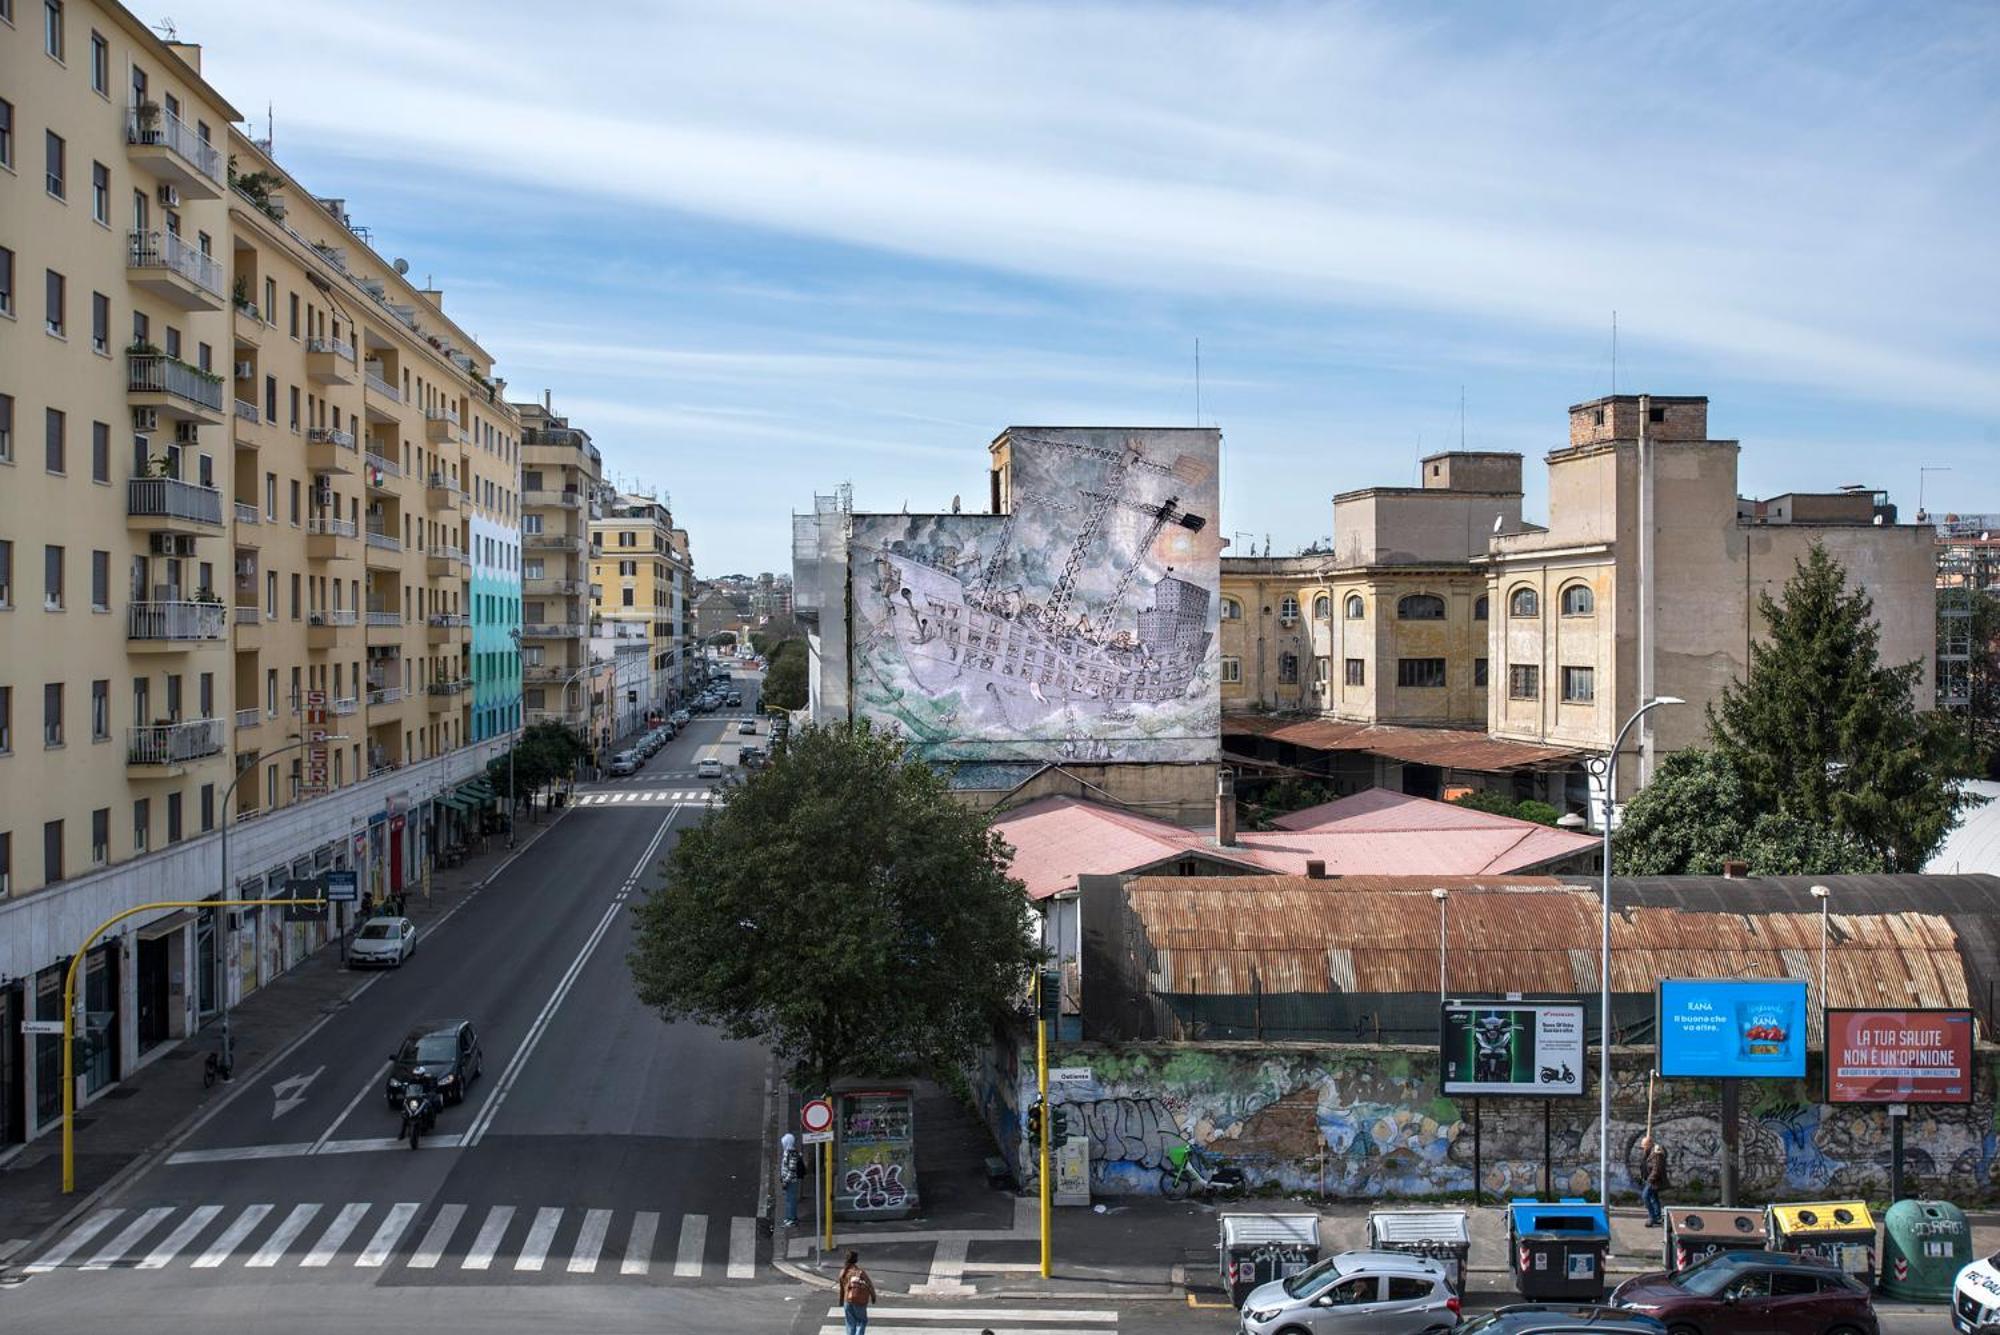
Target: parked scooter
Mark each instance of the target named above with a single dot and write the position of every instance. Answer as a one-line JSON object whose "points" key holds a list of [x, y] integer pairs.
{"points": [[421, 1102], [1183, 1176]]}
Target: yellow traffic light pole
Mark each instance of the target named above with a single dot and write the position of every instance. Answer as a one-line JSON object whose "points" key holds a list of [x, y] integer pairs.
{"points": [[1042, 1091], [69, 1007]]}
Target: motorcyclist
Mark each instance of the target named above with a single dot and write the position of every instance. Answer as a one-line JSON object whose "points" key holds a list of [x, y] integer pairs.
{"points": [[1494, 1037]]}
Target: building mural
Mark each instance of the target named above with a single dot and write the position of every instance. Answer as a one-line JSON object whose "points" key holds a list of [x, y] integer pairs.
{"points": [[1371, 1121], [1081, 625]]}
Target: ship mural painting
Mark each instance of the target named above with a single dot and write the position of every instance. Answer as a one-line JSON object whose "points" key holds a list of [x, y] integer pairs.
{"points": [[1079, 625]]}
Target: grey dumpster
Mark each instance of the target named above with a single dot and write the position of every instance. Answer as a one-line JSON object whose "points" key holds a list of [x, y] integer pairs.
{"points": [[1558, 1247], [1259, 1248], [1442, 1235], [1695, 1234]]}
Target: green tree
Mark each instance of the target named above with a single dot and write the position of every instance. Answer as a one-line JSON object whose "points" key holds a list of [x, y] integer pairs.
{"points": [[1983, 707], [547, 754], [844, 908], [785, 677], [1821, 732], [1697, 814], [1481, 799]]}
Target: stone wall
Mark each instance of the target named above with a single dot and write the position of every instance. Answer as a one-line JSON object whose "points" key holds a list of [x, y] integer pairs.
{"points": [[1371, 1121]]}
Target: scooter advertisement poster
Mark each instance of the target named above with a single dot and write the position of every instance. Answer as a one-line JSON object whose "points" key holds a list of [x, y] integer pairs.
{"points": [[1531, 1048]]}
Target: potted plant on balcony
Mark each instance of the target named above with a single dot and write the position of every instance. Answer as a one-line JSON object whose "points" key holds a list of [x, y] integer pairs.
{"points": [[140, 347], [207, 596], [146, 119], [159, 466]]}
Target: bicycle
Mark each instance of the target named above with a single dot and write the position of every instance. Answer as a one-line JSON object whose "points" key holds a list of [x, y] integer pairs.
{"points": [[212, 1069], [1182, 1177]]}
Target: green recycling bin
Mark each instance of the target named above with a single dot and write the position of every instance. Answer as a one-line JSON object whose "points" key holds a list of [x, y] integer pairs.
{"points": [[1924, 1246]]}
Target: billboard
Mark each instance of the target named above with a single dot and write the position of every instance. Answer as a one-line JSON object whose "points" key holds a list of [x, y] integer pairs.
{"points": [[1512, 1047], [1081, 625], [1719, 1027], [1899, 1056]]}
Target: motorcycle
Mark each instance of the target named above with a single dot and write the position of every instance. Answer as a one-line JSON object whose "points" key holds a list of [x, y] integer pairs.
{"points": [[1552, 1075], [421, 1102]]}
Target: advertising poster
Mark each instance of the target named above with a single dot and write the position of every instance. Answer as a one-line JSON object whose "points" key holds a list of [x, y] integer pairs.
{"points": [[1721, 1027], [1513, 1047], [1899, 1056]]}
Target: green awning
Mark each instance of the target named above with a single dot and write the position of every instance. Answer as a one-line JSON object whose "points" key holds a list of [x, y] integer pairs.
{"points": [[454, 802]]}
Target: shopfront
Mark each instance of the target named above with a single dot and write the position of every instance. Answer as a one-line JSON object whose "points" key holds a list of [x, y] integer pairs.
{"points": [[13, 1064]]}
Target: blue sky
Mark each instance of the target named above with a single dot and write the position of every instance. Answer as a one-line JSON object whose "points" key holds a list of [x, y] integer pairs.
{"points": [[757, 249]]}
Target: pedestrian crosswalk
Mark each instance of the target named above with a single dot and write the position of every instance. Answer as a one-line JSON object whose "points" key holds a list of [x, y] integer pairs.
{"points": [[1038, 1319], [651, 797], [364, 1235]]}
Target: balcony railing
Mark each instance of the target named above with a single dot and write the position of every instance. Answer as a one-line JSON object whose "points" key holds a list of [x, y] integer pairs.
{"points": [[165, 250], [568, 500], [384, 695], [552, 630], [157, 125], [450, 620], [376, 618], [553, 586], [451, 686], [171, 498], [381, 386], [550, 542], [332, 345], [175, 621], [248, 412], [388, 542], [247, 614], [246, 513], [154, 373], [445, 415], [329, 526], [249, 718], [568, 437], [346, 704], [339, 616], [174, 743], [447, 554], [382, 464], [330, 435]]}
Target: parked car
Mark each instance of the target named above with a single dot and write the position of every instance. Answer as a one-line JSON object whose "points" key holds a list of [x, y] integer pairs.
{"points": [[681, 717], [710, 768], [625, 762], [1355, 1293], [752, 757], [383, 941], [1562, 1319], [447, 1052], [1975, 1297], [1753, 1292]]}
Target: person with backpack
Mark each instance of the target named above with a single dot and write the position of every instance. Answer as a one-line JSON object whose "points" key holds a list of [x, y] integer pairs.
{"points": [[856, 1292], [791, 1167]]}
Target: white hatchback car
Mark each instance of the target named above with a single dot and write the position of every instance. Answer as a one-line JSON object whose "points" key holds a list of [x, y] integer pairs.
{"points": [[710, 768], [1975, 1299], [383, 941]]}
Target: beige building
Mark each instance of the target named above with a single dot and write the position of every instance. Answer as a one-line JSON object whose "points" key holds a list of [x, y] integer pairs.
{"points": [[562, 478], [641, 592], [269, 509]]}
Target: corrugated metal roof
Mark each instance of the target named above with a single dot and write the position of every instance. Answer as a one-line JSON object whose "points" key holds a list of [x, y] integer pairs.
{"points": [[1448, 748]]}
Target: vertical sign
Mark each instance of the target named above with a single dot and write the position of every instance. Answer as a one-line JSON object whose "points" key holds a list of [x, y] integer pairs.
{"points": [[316, 770]]}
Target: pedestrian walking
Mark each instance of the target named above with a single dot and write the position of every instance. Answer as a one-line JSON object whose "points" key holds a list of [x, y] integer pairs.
{"points": [[791, 1167], [1653, 1174], [856, 1292]]}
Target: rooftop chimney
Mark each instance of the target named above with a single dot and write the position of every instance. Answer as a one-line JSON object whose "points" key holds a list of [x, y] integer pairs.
{"points": [[1225, 808], [1735, 871], [1315, 869]]}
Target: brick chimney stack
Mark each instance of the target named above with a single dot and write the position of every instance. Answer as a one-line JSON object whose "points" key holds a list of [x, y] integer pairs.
{"points": [[1225, 808]]}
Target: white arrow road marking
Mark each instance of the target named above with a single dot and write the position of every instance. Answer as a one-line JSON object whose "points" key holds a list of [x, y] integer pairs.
{"points": [[289, 1093]]}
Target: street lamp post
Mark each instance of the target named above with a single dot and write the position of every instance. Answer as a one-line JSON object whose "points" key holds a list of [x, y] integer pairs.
{"points": [[1610, 767], [1441, 895], [513, 799], [1821, 893]]}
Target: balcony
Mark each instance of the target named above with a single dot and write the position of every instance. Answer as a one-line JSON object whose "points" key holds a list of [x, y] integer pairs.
{"points": [[170, 626], [550, 674], [378, 384], [553, 588], [379, 470], [443, 428], [563, 436], [173, 389], [329, 539], [323, 628], [330, 450], [553, 630], [169, 505], [249, 718], [174, 271], [444, 694], [441, 493], [345, 705], [164, 750], [384, 626], [553, 542], [446, 562], [447, 628], [246, 513], [384, 550], [383, 695], [172, 150], [552, 500], [248, 619], [247, 326], [329, 361]]}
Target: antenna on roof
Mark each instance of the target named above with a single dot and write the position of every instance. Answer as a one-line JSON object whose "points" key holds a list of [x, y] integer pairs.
{"points": [[165, 27]]}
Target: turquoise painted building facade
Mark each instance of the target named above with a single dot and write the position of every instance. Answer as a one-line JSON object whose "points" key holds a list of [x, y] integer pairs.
{"points": [[496, 612]]}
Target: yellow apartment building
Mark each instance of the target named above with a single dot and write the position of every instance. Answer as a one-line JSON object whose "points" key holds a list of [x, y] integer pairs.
{"points": [[641, 578], [562, 478], [259, 554]]}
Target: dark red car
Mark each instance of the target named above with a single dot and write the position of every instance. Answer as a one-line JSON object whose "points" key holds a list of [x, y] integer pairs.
{"points": [[1753, 1293]]}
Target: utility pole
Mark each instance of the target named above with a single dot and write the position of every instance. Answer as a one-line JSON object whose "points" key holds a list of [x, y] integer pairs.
{"points": [[1042, 1094]]}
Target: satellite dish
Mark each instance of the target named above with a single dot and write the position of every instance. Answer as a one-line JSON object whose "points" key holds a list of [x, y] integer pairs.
{"points": [[402, 266]]}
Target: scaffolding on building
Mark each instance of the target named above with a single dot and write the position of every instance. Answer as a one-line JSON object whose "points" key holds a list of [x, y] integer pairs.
{"points": [[1968, 569]]}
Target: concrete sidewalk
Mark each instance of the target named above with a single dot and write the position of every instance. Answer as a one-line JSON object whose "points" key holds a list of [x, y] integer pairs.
{"points": [[119, 1132]]}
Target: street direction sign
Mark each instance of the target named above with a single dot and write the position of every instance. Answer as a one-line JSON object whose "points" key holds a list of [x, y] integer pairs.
{"points": [[816, 1138], [42, 1027], [342, 887], [817, 1118]]}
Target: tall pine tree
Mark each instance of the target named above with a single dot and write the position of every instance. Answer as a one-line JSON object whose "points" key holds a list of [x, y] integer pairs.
{"points": [[1820, 732]]}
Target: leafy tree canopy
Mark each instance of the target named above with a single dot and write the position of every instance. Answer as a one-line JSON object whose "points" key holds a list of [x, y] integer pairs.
{"points": [[842, 907], [1696, 814], [546, 754], [1523, 808], [785, 676]]}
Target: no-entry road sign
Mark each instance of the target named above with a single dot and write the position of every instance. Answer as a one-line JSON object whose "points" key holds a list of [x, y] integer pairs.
{"points": [[816, 1116]]}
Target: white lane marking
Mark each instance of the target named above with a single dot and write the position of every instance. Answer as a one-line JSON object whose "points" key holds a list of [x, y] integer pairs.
{"points": [[436, 1238], [488, 1241], [359, 1094], [274, 1246], [484, 1120], [234, 1152], [290, 1092], [383, 1244], [375, 1143], [1002, 1329], [742, 1248], [1084, 1314], [68, 1247], [170, 1246], [589, 1242], [232, 1237], [694, 1235], [540, 1234], [329, 1243], [128, 1238], [639, 1247]]}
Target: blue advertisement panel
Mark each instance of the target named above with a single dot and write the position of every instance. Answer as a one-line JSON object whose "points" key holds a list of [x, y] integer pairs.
{"points": [[1716, 1027]]}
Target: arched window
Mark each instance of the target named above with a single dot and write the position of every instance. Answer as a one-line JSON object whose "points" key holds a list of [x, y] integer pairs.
{"points": [[1481, 607], [1354, 607], [1523, 603], [1288, 608], [1231, 610], [1420, 607], [1577, 601], [1322, 608]]}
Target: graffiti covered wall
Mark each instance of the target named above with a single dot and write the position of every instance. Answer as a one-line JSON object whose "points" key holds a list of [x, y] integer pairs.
{"points": [[1080, 626], [1371, 1121]]}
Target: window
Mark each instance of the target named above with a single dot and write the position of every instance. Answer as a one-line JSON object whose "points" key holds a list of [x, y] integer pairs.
{"points": [[100, 581], [1355, 607], [270, 311], [100, 322], [6, 281], [6, 134], [1482, 608], [1655, 414], [627, 593], [1355, 672], [1322, 671], [1288, 669], [100, 64], [6, 572], [1523, 603], [1479, 672], [100, 836], [100, 452], [207, 807], [295, 503], [100, 710], [54, 150], [1579, 685], [52, 840], [1425, 672], [52, 714], [55, 297], [142, 824], [1787, 1285], [173, 818], [1322, 608], [55, 431], [1577, 601], [52, 579], [293, 318], [1408, 1288], [628, 567], [6, 862], [6, 720], [1288, 608], [1420, 607], [1524, 682], [1232, 669], [100, 193]]}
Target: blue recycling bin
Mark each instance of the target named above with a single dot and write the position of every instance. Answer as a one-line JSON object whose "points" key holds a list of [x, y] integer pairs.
{"points": [[1556, 1248]]}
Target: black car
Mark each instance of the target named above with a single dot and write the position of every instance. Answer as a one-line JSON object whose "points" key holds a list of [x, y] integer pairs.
{"points": [[1562, 1319], [446, 1051]]}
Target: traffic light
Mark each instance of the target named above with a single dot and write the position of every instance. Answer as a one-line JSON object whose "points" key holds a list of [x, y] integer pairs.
{"points": [[1035, 1124], [1049, 995], [1060, 1117]]}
